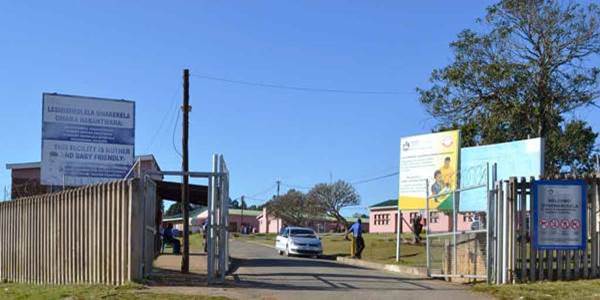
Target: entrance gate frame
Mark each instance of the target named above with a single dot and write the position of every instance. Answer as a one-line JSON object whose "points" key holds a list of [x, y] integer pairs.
{"points": [[454, 233], [218, 216]]}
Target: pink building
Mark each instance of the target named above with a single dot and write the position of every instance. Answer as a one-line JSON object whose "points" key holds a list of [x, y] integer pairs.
{"points": [[383, 218], [270, 224], [237, 219]]}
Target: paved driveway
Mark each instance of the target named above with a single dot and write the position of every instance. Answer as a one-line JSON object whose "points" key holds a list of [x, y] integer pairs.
{"points": [[262, 274]]}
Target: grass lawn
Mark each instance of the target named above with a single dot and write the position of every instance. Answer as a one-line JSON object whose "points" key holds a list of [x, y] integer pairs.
{"points": [[28, 291], [379, 248], [196, 244], [582, 289]]}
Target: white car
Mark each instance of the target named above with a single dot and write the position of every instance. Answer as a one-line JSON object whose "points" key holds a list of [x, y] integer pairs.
{"points": [[298, 241]]}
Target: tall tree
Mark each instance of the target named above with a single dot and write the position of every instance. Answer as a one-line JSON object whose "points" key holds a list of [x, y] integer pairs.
{"points": [[175, 208], [531, 65], [293, 208], [331, 198]]}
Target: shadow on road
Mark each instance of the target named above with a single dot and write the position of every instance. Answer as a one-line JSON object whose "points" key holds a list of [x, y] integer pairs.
{"points": [[288, 262], [305, 280]]}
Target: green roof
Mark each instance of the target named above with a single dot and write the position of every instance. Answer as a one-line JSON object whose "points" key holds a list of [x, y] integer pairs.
{"points": [[247, 212], [194, 213], [391, 202]]}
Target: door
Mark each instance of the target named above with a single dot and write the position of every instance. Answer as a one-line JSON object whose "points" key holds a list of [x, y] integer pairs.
{"points": [[281, 240]]}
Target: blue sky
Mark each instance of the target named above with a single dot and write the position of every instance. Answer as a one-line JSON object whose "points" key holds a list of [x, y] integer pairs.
{"points": [[137, 49]]}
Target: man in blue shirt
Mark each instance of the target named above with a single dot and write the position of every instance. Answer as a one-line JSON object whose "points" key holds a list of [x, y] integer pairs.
{"points": [[359, 243], [169, 237]]}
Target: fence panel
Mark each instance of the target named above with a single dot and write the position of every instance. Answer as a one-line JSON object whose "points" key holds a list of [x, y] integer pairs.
{"points": [[92, 234], [514, 259]]}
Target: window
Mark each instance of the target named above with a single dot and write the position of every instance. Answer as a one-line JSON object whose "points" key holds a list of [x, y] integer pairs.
{"points": [[434, 217], [412, 217], [381, 219]]}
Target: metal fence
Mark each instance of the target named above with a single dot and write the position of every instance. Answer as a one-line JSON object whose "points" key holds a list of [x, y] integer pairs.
{"points": [[459, 252], [514, 259], [93, 234]]}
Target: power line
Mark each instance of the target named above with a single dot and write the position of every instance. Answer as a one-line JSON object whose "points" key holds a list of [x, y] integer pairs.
{"points": [[299, 88], [167, 113], [375, 178], [293, 186], [270, 188], [173, 136]]}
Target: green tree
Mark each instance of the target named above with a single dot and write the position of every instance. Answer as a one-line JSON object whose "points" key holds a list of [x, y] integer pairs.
{"points": [[520, 77], [176, 209], [332, 198], [293, 207]]}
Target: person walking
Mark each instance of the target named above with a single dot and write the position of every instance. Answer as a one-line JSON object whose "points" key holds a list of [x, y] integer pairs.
{"points": [[359, 242], [205, 235]]}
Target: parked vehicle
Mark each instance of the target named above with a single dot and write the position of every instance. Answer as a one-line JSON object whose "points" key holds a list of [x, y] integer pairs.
{"points": [[298, 241]]}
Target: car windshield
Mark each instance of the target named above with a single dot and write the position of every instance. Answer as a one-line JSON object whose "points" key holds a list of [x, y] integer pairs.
{"points": [[302, 233]]}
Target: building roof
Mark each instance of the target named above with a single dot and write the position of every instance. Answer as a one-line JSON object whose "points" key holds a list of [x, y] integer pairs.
{"points": [[37, 164], [353, 219], [27, 165], [325, 218], [178, 217], [385, 204], [247, 212]]}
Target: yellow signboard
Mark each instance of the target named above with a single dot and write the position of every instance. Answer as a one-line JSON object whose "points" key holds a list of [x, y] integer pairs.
{"points": [[432, 157]]}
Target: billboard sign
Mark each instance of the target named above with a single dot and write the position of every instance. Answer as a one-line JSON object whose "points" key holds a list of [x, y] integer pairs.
{"points": [[559, 214], [432, 157], [519, 159], [86, 140]]}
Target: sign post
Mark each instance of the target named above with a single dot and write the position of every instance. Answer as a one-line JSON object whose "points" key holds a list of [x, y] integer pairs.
{"points": [[86, 140], [559, 215]]}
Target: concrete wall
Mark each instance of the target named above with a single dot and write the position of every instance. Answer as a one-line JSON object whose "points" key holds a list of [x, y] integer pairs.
{"points": [[92, 234]]}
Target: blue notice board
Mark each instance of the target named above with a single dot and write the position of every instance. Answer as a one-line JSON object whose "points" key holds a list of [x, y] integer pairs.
{"points": [[559, 214], [518, 158]]}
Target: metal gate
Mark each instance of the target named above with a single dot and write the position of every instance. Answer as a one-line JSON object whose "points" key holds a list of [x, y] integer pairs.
{"points": [[218, 220], [458, 251]]}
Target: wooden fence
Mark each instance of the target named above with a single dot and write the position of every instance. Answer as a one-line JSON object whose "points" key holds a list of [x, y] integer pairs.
{"points": [[512, 256], [92, 234]]}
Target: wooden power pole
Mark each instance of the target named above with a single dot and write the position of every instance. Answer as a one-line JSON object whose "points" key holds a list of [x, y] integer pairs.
{"points": [[185, 188]]}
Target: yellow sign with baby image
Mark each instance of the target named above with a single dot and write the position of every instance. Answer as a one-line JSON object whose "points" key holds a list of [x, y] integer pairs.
{"points": [[431, 158]]}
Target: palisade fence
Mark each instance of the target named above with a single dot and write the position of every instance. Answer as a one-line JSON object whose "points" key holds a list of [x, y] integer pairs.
{"points": [[512, 256], [92, 234]]}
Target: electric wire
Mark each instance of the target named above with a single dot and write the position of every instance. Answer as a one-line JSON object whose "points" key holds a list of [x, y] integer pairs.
{"points": [[375, 178], [162, 122], [173, 136], [298, 88]]}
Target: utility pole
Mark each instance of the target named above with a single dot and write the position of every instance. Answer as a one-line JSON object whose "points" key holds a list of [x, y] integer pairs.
{"points": [[278, 184], [598, 163], [185, 188], [242, 220]]}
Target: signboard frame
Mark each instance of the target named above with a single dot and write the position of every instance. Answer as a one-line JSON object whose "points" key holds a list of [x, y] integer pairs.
{"points": [[87, 98], [583, 206], [408, 200], [510, 159]]}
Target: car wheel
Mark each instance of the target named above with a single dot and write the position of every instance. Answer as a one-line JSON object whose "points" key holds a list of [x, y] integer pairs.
{"points": [[279, 252], [287, 251]]}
